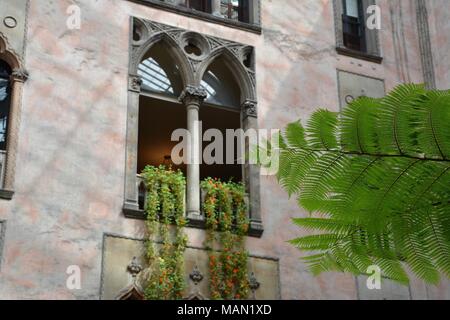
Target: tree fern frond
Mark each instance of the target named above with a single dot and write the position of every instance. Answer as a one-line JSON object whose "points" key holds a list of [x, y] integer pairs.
{"points": [[394, 115], [430, 123], [379, 175], [321, 130]]}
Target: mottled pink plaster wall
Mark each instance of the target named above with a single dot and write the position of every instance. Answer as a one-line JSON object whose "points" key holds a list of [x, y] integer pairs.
{"points": [[70, 168], [439, 32]]}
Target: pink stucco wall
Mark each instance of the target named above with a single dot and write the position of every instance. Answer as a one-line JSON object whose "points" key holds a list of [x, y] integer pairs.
{"points": [[70, 166]]}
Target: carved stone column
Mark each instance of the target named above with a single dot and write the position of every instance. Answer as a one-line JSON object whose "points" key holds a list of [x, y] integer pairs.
{"points": [[192, 98], [252, 171], [18, 77], [131, 205]]}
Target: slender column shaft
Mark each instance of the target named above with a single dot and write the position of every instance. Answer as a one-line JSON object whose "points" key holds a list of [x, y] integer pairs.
{"points": [[18, 78], [192, 98]]}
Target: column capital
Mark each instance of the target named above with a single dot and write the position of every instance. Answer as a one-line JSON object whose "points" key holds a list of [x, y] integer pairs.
{"points": [[250, 108], [193, 95], [19, 75]]}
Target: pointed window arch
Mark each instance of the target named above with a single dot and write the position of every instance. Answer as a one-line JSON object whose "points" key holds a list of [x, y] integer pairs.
{"points": [[159, 73], [181, 79], [220, 85]]}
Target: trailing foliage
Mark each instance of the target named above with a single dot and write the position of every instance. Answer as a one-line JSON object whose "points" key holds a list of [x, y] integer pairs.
{"points": [[377, 178], [227, 224], [165, 207]]}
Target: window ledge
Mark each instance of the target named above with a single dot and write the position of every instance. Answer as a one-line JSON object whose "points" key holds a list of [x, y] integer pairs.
{"points": [[6, 194], [359, 55], [256, 229], [202, 15]]}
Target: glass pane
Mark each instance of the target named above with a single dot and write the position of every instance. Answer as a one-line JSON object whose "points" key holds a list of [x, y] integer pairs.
{"points": [[220, 85], [154, 78], [352, 8], [159, 73]]}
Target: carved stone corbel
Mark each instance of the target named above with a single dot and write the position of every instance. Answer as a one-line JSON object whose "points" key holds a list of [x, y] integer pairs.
{"points": [[19, 75], [134, 83], [250, 109]]}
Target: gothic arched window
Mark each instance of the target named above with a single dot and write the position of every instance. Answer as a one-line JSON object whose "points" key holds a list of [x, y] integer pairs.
{"points": [[5, 102]]}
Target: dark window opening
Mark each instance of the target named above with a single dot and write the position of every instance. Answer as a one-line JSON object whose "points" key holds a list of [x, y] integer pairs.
{"points": [[158, 119], [238, 10], [199, 5], [354, 25], [5, 102], [221, 120]]}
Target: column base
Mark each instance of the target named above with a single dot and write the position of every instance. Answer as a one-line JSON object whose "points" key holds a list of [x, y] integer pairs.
{"points": [[256, 229], [131, 210], [196, 220]]}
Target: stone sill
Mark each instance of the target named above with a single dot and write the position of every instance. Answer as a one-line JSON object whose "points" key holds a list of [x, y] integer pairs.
{"points": [[359, 55], [6, 194], [256, 230], [202, 16]]}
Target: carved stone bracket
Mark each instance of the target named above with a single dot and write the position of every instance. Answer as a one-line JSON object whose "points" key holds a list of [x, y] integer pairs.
{"points": [[135, 83], [249, 108]]}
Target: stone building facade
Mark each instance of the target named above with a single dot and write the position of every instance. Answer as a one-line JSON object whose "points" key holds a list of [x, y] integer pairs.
{"points": [[76, 90]]}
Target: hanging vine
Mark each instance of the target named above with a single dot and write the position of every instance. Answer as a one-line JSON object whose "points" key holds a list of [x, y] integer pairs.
{"points": [[227, 225], [165, 245]]}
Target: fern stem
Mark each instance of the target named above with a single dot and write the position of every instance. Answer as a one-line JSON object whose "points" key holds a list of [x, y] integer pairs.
{"points": [[378, 155]]}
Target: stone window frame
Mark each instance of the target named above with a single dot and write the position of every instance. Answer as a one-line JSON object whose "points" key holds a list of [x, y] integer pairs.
{"points": [[192, 69], [18, 77], [373, 53], [255, 8]]}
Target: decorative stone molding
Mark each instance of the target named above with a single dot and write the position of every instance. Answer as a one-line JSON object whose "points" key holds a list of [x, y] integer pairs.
{"points": [[192, 66]]}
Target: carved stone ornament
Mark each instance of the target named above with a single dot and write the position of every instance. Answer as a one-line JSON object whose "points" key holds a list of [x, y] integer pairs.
{"points": [[208, 48], [135, 83], [19, 75], [134, 268], [250, 108], [192, 95], [254, 284], [196, 276]]}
